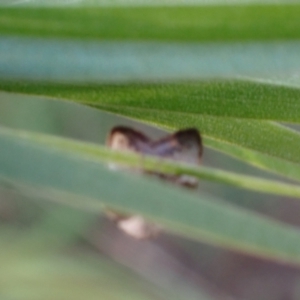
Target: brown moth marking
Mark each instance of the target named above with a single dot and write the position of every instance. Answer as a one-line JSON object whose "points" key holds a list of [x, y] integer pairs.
{"points": [[184, 145]]}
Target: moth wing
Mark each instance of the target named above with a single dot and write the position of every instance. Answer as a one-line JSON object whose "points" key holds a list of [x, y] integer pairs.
{"points": [[184, 145]]}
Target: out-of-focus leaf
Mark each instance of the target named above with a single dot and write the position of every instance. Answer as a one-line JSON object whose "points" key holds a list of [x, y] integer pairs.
{"points": [[190, 23], [36, 274], [77, 179]]}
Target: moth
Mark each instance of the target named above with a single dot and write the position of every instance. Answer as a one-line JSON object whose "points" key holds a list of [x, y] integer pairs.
{"points": [[184, 146]]}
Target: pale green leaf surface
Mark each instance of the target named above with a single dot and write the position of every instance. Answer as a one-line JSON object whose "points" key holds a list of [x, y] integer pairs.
{"points": [[147, 61], [263, 161], [67, 172]]}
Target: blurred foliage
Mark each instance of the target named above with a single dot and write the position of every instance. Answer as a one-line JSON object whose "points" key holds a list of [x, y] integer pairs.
{"points": [[55, 241], [190, 23]]}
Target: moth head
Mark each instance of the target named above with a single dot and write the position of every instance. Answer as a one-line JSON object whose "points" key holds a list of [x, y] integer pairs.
{"points": [[126, 139]]}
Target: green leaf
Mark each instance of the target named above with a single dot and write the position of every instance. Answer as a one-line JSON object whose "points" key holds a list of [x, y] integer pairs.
{"points": [[242, 119], [217, 98], [38, 114], [76, 178], [234, 117], [190, 23], [103, 154]]}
